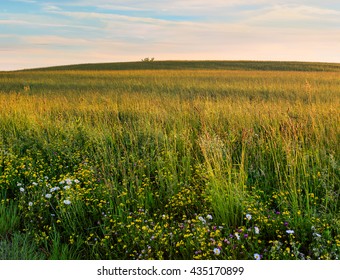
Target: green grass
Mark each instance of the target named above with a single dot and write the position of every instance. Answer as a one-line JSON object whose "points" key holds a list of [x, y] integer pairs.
{"points": [[191, 65], [164, 160]]}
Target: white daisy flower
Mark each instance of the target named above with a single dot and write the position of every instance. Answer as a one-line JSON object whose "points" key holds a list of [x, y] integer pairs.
{"points": [[257, 257], [68, 181], [48, 195], [202, 219], [217, 251]]}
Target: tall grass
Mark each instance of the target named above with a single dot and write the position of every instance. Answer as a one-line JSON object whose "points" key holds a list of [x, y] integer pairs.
{"points": [[169, 146]]}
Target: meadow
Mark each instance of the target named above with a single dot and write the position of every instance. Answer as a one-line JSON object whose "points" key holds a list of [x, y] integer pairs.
{"points": [[171, 160]]}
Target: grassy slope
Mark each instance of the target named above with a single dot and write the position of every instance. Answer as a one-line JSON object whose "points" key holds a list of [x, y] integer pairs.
{"points": [[157, 140], [222, 65]]}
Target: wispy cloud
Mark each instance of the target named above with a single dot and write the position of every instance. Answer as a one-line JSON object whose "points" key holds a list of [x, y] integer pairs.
{"points": [[64, 32]]}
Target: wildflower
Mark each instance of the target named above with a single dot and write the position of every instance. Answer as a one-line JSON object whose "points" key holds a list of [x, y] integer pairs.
{"points": [[19, 184], [35, 184], [290, 231], [237, 236], [257, 230], [22, 189], [61, 182], [66, 187], [248, 216], [76, 181], [67, 202], [209, 217], [285, 224], [48, 195], [54, 189], [30, 204], [316, 235], [202, 219], [257, 257], [246, 235], [68, 181], [217, 251]]}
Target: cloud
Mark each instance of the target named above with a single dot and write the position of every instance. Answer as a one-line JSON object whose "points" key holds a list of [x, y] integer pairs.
{"points": [[66, 32], [25, 1], [285, 14]]}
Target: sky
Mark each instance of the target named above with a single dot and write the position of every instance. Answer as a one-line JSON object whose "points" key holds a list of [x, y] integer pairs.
{"points": [[36, 33]]}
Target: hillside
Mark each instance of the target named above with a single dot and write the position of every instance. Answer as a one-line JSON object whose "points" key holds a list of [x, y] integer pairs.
{"points": [[221, 65]]}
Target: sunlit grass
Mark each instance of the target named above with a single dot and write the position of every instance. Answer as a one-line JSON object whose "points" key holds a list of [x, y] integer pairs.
{"points": [[171, 164]]}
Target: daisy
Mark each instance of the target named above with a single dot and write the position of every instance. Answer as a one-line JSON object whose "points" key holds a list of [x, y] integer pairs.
{"points": [[248, 216], [202, 219], [217, 251], [257, 257]]}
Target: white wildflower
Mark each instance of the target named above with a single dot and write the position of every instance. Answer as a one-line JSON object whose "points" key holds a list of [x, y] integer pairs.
{"points": [[30, 204], [48, 195], [217, 251], [54, 189], [202, 219], [257, 230], [22, 189], [237, 236], [257, 257], [67, 202], [248, 216], [290, 231], [209, 217], [35, 184], [66, 187], [76, 181], [19, 184], [68, 181]]}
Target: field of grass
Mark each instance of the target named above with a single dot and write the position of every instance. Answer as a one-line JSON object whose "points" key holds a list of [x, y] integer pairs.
{"points": [[171, 160]]}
